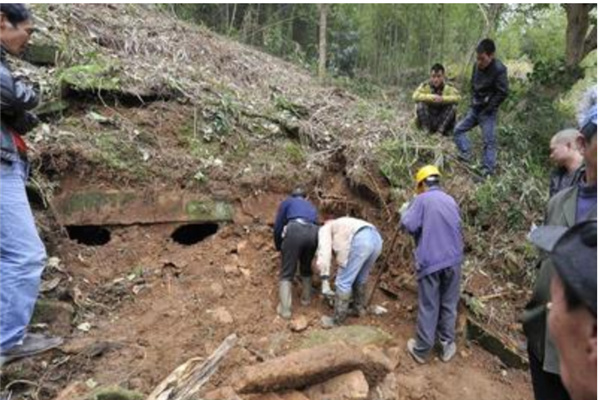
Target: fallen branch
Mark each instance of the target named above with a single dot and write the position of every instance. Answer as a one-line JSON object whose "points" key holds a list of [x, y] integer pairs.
{"points": [[185, 381]]}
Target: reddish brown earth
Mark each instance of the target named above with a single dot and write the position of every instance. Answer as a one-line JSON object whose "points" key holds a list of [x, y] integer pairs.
{"points": [[153, 304]]}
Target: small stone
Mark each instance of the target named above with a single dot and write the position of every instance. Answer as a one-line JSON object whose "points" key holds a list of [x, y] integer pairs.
{"points": [[136, 384], [299, 324], [223, 316], [394, 354], [232, 270], [464, 354], [245, 272], [504, 373], [217, 289], [241, 247]]}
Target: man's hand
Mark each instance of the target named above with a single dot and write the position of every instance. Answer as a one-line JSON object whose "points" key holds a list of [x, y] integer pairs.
{"points": [[403, 208], [325, 288], [437, 98]]}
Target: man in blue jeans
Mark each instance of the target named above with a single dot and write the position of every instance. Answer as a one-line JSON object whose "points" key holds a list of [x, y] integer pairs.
{"points": [[357, 245], [22, 253], [433, 219], [489, 87]]}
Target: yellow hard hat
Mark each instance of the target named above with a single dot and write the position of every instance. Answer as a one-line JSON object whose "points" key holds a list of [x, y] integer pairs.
{"points": [[426, 172]]}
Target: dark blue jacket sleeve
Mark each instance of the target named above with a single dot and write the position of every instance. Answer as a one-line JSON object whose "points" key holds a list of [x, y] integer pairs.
{"points": [[280, 223]]}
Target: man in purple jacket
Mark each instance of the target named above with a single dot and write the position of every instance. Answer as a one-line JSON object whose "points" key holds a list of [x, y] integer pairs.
{"points": [[433, 219]]}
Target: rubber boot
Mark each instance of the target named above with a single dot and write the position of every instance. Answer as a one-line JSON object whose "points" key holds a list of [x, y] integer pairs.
{"points": [[306, 290], [359, 300], [284, 309], [342, 304]]}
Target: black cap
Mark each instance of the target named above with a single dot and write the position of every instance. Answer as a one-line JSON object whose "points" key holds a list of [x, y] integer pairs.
{"points": [[573, 252], [298, 192]]}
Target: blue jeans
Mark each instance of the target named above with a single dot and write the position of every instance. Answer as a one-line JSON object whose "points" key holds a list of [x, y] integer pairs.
{"points": [[364, 250], [439, 293], [22, 255], [487, 122]]}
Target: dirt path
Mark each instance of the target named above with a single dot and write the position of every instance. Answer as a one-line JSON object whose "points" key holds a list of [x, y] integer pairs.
{"points": [[152, 304]]}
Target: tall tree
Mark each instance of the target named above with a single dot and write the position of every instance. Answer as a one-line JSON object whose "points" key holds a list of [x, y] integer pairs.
{"points": [[580, 39], [323, 40]]}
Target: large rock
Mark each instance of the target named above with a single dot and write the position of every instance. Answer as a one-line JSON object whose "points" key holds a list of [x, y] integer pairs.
{"points": [[350, 386], [387, 389], [311, 366]]}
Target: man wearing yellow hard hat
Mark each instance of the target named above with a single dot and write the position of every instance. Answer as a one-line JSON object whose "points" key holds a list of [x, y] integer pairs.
{"points": [[433, 219]]}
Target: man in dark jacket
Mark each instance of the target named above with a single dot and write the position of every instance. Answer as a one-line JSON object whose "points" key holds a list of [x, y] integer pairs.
{"points": [[571, 206], [572, 318], [22, 253], [296, 236], [489, 87]]}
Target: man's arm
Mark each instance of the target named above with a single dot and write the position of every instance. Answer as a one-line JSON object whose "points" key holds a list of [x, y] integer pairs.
{"points": [[451, 95], [279, 224], [15, 95], [325, 249], [501, 91], [423, 94], [412, 219]]}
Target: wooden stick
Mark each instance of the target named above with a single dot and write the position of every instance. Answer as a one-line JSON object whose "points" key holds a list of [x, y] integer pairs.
{"points": [[185, 382], [383, 268]]}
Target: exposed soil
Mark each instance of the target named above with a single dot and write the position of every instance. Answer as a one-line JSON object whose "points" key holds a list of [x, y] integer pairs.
{"points": [[152, 304]]}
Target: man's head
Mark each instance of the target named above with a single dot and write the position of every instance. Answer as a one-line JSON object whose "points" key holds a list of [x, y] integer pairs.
{"points": [[298, 192], [563, 148], [572, 317], [15, 28], [486, 50], [427, 177], [437, 75], [587, 144]]}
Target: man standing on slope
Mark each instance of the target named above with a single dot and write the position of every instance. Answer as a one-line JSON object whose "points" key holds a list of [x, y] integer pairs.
{"points": [[489, 87], [433, 219], [22, 253]]}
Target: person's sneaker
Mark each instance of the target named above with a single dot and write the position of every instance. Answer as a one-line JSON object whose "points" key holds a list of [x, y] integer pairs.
{"points": [[410, 345], [32, 344], [448, 351]]}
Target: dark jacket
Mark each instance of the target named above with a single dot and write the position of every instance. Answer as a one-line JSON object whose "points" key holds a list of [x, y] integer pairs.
{"points": [[561, 211], [16, 99], [561, 179], [489, 87], [292, 208]]}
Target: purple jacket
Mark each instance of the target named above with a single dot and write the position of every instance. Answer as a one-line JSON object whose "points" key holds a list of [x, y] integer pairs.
{"points": [[433, 218]]}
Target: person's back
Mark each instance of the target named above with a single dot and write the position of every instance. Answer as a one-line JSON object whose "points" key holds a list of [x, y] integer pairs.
{"points": [[440, 242]]}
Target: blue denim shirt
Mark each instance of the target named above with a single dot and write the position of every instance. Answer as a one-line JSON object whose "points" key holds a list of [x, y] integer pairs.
{"points": [[433, 218]]}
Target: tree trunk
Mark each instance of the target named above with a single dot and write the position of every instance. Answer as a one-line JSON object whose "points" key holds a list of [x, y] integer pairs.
{"points": [[323, 40], [579, 42]]}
